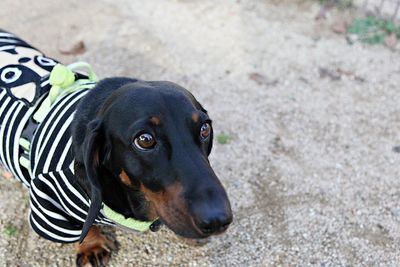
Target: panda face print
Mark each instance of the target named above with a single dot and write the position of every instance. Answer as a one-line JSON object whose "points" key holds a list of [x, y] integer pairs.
{"points": [[20, 81], [45, 63], [10, 75], [21, 73], [16, 75]]}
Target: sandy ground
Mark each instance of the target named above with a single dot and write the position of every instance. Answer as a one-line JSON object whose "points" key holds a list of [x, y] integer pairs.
{"points": [[311, 171]]}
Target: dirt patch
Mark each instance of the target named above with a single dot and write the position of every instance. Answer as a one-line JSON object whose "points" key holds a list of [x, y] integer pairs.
{"points": [[311, 167]]}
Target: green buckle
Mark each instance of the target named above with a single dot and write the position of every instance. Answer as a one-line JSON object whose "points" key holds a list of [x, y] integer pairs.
{"points": [[62, 79]]}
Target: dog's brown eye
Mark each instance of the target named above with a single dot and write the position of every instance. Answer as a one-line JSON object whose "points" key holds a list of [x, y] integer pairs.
{"points": [[205, 131], [145, 141]]}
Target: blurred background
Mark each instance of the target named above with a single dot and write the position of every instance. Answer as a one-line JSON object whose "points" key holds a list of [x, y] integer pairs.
{"points": [[305, 101]]}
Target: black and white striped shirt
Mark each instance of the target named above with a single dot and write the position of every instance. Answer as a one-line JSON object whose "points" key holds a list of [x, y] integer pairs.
{"points": [[58, 205]]}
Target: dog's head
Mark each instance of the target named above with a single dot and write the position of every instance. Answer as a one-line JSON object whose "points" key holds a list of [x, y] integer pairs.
{"points": [[146, 156]]}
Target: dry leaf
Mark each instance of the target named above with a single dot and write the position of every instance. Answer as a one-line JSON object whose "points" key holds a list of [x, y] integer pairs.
{"points": [[391, 41], [332, 74], [350, 74], [340, 26], [258, 78], [261, 79], [76, 49]]}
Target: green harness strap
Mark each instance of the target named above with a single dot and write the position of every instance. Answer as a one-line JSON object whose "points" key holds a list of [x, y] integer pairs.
{"points": [[62, 81]]}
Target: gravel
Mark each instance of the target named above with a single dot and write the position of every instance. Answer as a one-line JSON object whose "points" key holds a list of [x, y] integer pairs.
{"points": [[311, 166]]}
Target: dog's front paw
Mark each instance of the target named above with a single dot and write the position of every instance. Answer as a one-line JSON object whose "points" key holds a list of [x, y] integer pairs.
{"points": [[97, 247]]}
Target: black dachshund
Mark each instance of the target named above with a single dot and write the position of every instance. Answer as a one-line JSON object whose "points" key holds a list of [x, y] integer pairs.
{"points": [[120, 152]]}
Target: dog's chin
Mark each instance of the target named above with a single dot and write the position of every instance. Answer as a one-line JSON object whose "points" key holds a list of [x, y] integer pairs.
{"points": [[189, 230]]}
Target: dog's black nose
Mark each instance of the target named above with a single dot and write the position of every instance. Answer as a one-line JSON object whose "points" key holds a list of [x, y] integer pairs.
{"points": [[215, 224]]}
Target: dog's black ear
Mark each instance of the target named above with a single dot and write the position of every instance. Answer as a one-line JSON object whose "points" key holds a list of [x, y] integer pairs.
{"points": [[91, 147], [105, 153]]}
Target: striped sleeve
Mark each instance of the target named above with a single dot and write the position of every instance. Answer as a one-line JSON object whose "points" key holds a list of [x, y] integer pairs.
{"points": [[53, 213], [58, 207]]}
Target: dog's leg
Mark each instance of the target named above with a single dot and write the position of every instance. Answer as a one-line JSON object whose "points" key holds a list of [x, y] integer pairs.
{"points": [[97, 247]]}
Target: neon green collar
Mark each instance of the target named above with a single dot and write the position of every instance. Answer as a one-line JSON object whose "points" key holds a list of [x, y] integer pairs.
{"points": [[141, 226]]}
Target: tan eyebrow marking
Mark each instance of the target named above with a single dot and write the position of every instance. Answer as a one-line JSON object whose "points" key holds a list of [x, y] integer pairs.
{"points": [[155, 120], [125, 178], [195, 117]]}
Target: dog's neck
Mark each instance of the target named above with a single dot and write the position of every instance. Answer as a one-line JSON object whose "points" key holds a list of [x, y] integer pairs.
{"points": [[128, 217], [122, 199]]}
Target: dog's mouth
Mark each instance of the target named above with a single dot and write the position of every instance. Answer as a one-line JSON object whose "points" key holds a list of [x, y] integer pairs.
{"points": [[192, 231], [195, 220], [186, 229], [182, 224]]}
